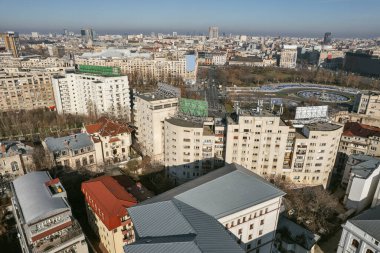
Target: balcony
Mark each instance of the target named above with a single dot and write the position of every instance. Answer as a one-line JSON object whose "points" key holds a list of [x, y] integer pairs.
{"points": [[65, 239]]}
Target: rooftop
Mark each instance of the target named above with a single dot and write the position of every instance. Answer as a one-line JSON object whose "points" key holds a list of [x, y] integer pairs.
{"points": [[154, 96], [157, 230], [35, 197], [209, 193], [11, 148], [107, 127], [323, 126], [361, 130], [364, 165], [369, 222], [73, 142]]}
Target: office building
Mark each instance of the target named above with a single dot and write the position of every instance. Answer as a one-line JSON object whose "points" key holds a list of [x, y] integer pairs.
{"points": [[213, 32], [150, 112], [56, 51], [193, 146], [92, 94], [327, 38], [26, 91], [112, 140], [363, 173], [368, 103], [75, 151], [44, 220], [15, 158], [361, 234], [362, 63], [87, 34], [288, 58], [201, 212], [107, 199], [10, 42]]}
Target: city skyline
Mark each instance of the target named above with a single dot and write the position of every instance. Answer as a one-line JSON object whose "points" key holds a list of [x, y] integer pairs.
{"points": [[274, 17]]}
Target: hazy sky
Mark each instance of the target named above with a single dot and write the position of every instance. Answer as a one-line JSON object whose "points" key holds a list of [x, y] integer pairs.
{"points": [[344, 18]]}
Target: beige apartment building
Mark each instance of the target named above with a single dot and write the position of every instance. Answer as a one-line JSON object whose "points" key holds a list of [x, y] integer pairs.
{"points": [[258, 143], [159, 68], [150, 112], [288, 57], [193, 147], [25, 91], [368, 103], [264, 144], [314, 152]]}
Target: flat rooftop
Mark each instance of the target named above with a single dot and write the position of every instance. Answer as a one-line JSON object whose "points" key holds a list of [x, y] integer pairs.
{"points": [[323, 126], [153, 96]]}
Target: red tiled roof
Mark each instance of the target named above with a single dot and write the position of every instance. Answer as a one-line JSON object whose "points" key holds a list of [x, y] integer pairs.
{"points": [[107, 127], [114, 139], [361, 130], [108, 198]]}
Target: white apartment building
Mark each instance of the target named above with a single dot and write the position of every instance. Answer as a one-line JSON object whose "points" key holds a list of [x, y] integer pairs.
{"points": [[368, 103], [264, 144], [92, 94], [361, 234], [150, 112], [219, 59], [44, 220], [193, 147], [288, 57], [364, 175]]}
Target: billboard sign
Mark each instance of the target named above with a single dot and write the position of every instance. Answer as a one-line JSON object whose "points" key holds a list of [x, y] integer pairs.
{"points": [[100, 70], [311, 112]]}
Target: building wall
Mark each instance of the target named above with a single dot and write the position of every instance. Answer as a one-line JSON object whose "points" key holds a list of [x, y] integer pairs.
{"points": [[25, 91], [150, 115], [288, 58], [365, 241], [257, 143], [90, 94], [368, 104], [360, 191], [190, 151], [16, 164], [255, 227]]}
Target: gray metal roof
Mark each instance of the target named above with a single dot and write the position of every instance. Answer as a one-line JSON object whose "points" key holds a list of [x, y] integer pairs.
{"points": [[34, 198], [159, 219], [369, 222], [74, 142], [207, 235], [223, 191], [366, 165]]}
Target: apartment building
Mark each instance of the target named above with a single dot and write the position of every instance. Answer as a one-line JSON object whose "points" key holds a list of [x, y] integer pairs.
{"points": [[159, 68], [368, 103], [26, 91], [288, 57], [107, 199], [361, 177], [219, 59], [314, 152], [92, 94], [150, 112], [193, 146], [239, 200], [10, 42], [112, 140], [15, 158], [257, 142], [44, 220], [263, 143], [75, 151], [361, 234], [357, 138]]}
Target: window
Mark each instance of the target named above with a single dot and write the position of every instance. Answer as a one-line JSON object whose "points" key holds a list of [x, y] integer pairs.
{"points": [[240, 231], [14, 166], [369, 251], [250, 237], [260, 232], [259, 242], [355, 243], [251, 226], [262, 222]]}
